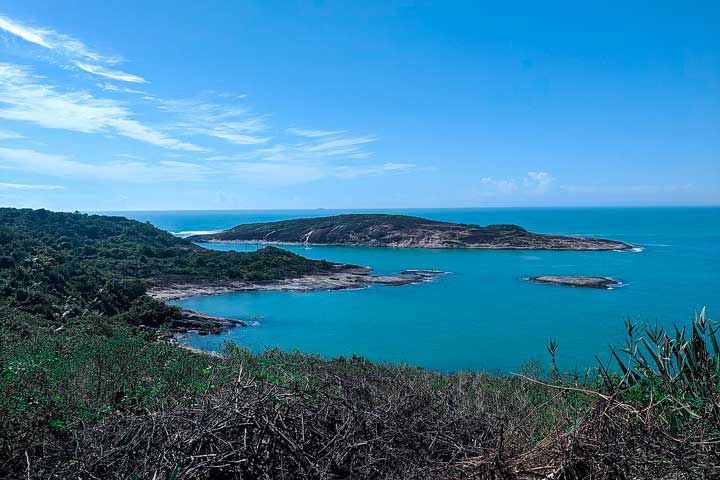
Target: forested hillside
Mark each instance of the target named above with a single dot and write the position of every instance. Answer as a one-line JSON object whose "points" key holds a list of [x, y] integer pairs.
{"points": [[61, 265]]}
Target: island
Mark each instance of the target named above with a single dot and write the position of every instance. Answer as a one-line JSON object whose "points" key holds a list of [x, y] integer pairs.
{"points": [[606, 283], [383, 230]]}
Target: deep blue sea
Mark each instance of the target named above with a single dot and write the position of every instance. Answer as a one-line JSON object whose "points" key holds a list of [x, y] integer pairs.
{"points": [[483, 315]]}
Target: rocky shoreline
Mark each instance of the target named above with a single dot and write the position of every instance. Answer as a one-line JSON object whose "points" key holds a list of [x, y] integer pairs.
{"points": [[192, 321], [548, 242], [605, 283], [341, 279]]}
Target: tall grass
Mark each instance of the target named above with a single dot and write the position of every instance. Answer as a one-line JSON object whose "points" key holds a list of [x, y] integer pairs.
{"points": [[675, 371]]}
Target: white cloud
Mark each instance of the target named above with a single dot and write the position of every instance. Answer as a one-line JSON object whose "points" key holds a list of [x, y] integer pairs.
{"points": [[123, 171], [302, 132], [32, 35], [354, 171], [313, 151], [533, 182], [231, 123], [114, 88], [74, 50], [10, 135], [112, 74], [338, 145], [501, 186], [539, 182], [22, 186], [228, 132], [290, 173], [54, 41], [129, 169], [26, 100]]}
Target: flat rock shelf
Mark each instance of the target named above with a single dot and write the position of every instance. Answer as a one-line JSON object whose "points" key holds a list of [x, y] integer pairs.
{"points": [[344, 278], [605, 283]]}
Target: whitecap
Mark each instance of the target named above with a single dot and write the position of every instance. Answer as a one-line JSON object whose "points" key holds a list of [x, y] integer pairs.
{"points": [[633, 249], [189, 233]]}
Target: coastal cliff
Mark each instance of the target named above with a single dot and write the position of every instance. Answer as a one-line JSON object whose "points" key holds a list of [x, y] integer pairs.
{"points": [[379, 230]]}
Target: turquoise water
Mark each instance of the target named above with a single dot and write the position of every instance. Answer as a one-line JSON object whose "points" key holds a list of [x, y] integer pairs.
{"points": [[483, 316]]}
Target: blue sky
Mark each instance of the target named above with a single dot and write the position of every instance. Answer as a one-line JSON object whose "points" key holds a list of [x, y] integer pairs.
{"points": [[221, 105]]}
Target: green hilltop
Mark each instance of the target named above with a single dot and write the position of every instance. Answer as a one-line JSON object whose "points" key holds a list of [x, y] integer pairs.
{"points": [[383, 230]]}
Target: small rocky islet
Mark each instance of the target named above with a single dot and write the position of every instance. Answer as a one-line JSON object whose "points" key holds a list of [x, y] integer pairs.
{"points": [[605, 283]]}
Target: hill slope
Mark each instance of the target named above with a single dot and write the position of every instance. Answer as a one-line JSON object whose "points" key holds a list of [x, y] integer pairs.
{"points": [[381, 230]]}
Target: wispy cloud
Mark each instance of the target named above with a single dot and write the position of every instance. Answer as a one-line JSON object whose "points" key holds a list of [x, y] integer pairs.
{"points": [[109, 87], [231, 123], [23, 186], [291, 173], [76, 52], [124, 171], [10, 135], [338, 146], [111, 74], [302, 132], [25, 99], [354, 171], [32, 35]]}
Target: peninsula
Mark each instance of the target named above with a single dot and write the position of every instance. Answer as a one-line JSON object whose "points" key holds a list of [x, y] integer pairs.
{"points": [[381, 230], [69, 263]]}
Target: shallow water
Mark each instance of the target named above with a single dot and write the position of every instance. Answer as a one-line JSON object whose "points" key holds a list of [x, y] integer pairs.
{"points": [[484, 315]]}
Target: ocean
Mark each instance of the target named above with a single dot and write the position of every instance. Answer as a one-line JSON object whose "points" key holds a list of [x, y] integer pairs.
{"points": [[483, 315]]}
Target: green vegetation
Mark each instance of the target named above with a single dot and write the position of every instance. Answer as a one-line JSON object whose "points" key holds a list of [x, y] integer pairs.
{"points": [[86, 393], [346, 229], [62, 265]]}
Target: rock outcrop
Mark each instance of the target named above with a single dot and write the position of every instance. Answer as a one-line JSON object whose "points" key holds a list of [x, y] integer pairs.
{"points": [[606, 283]]}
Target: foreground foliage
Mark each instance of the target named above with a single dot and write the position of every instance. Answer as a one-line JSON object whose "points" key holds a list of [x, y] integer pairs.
{"points": [[99, 399]]}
